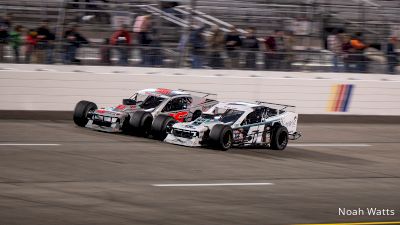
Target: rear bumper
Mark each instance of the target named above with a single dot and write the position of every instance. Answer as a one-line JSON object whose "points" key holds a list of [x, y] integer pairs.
{"points": [[295, 136]]}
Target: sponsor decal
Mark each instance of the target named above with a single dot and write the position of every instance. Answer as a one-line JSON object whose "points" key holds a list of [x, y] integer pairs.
{"points": [[340, 98], [120, 107], [163, 91], [101, 111], [179, 116]]}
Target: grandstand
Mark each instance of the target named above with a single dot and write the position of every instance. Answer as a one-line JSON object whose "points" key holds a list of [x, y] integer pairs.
{"points": [[377, 19]]}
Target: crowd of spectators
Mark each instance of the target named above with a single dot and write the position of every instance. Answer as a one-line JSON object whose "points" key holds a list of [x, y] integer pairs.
{"points": [[349, 53], [39, 42], [235, 49], [208, 47]]}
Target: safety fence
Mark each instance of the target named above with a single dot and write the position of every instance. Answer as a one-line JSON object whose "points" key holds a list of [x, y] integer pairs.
{"points": [[175, 57]]}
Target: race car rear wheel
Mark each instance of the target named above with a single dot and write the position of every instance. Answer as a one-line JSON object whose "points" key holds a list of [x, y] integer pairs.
{"points": [[279, 138], [161, 125], [221, 137], [140, 123], [82, 112]]}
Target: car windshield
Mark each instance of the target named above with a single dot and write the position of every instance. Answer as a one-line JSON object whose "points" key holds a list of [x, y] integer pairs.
{"points": [[224, 115], [147, 101]]}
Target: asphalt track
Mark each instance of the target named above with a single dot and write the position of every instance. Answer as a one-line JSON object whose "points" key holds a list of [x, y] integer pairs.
{"points": [[78, 176]]}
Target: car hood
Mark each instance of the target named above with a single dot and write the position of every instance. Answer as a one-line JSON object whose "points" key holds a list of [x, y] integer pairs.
{"points": [[200, 124], [119, 110]]}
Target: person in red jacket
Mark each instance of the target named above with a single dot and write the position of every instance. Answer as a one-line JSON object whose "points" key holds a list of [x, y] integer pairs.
{"points": [[31, 42], [122, 40]]}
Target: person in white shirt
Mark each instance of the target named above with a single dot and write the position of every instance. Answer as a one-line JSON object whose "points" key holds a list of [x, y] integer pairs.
{"points": [[335, 46]]}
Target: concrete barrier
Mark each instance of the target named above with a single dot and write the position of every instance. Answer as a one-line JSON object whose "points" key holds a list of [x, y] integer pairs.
{"points": [[59, 87]]}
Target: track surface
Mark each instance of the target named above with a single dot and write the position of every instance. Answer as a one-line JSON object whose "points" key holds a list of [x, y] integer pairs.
{"points": [[99, 178]]}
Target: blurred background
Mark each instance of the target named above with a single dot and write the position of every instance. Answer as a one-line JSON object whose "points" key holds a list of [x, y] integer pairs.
{"points": [[281, 35]]}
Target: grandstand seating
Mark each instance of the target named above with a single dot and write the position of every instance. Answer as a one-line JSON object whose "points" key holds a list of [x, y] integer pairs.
{"points": [[374, 17], [266, 15]]}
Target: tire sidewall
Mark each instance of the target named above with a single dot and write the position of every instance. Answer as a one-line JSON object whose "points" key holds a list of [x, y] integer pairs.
{"points": [[217, 134], [159, 126], [140, 123], [80, 112], [277, 134]]}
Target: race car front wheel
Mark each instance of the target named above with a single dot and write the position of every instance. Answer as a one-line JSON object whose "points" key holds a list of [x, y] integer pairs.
{"points": [[279, 138], [82, 112], [140, 123], [161, 125], [221, 137]]}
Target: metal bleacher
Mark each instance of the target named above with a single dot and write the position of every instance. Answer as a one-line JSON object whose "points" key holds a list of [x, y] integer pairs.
{"points": [[375, 18]]}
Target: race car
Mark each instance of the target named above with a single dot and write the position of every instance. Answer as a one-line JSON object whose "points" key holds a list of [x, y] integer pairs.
{"points": [[239, 124], [135, 114]]}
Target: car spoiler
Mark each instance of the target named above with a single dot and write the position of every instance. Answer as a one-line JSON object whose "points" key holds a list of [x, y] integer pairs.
{"points": [[280, 107], [206, 94]]}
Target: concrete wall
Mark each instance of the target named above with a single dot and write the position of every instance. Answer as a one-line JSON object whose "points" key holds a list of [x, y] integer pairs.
{"points": [[57, 87]]}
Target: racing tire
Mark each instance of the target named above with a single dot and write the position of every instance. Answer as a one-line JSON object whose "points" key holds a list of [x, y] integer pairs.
{"points": [[140, 123], [221, 137], [279, 138], [196, 115], [160, 126], [81, 112]]}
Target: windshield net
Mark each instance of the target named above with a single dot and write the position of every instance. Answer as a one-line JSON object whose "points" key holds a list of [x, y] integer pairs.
{"points": [[224, 115], [148, 101]]}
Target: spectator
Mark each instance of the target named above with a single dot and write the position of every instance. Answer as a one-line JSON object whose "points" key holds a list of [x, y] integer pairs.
{"points": [[270, 51], [7, 20], [359, 47], [154, 53], [31, 42], [197, 41], [122, 40], [288, 48], [182, 45], [392, 55], [232, 44], [105, 52], [335, 46], [216, 43], [44, 45], [347, 50], [16, 42], [250, 45], [142, 27], [73, 41], [280, 50], [5, 25]]}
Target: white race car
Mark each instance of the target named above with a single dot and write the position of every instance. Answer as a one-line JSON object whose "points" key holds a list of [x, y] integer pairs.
{"points": [[135, 114], [239, 124]]}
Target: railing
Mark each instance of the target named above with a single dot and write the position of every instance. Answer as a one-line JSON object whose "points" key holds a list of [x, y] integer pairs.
{"points": [[96, 54]]}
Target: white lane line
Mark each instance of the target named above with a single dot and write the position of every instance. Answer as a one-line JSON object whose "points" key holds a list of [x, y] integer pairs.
{"points": [[27, 144], [210, 185], [328, 145]]}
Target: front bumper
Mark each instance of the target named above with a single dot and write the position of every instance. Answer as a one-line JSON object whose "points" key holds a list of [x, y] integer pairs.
{"points": [[189, 142], [104, 126]]}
